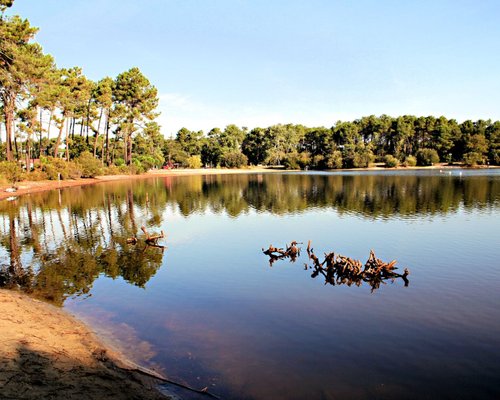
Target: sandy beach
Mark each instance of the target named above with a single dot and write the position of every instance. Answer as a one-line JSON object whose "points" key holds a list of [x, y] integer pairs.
{"points": [[47, 354]]}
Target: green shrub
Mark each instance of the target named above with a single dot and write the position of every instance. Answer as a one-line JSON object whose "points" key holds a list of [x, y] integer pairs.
{"points": [[136, 167], [51, 171], [11, 171], [57, 168], [334, 160], [123, 169], [410, 161], [147, 162], [297, 160], [73, 170], [363, 159], [319, 161], [495, 156], [111, 170], [427, 157], [119, 162], [291, 162], [391, 161], [193, 162], [304, 159], [234, 159], [89, 165], [472, 159], [36, 175]]}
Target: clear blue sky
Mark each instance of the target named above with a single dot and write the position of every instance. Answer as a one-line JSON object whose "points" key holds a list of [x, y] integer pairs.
{"points": [[260, 62]]}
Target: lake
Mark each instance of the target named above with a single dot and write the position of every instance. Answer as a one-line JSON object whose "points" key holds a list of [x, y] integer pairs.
{"points": [[210, 309]]}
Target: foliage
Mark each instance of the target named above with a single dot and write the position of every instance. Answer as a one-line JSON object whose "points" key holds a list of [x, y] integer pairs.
{"points": [[410, 161], [146, 162], [77, 146], [297, 160], [357, 156], [136, 167], [11, 171], [391, 161], [5, 4], [136, 101], [36, 175], [111, 170], [193, 162], [56, 168], [172, 151], [473, 158], [427, 157], [234, 159], [334, 160], [89, 166]]}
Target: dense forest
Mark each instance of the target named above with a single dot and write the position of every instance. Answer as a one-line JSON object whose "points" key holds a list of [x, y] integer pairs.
{"points": [[57, 123]]}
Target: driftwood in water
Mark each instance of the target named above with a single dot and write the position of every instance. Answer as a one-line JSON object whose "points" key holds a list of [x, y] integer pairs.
{"points": [[339, 269], [275, 253], [151, 240]]}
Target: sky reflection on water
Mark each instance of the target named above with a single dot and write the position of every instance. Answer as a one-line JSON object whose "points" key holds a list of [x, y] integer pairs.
{"points": [[211, 312]]}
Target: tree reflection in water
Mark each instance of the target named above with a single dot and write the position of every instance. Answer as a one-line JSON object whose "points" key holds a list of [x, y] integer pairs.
{"points": [[58, 243], [55, 244]]}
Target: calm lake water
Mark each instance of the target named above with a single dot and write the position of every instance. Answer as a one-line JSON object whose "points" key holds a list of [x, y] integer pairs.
{"points": [[210, 310]]}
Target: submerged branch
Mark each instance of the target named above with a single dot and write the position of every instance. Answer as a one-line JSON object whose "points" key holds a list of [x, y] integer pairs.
{"points": [[339, 269]]}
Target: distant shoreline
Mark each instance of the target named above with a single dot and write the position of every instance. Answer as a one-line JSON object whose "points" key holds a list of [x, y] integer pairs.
{"points": [[27, 187]]}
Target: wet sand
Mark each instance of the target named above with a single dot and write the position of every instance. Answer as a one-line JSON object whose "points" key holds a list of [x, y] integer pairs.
{"points": [[47, 354]]}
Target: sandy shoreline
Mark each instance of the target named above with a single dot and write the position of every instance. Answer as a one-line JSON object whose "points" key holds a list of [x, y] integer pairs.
{"points": [[47, 354]]}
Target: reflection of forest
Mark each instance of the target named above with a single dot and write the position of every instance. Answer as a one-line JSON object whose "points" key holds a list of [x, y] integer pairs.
{"points": [[370, 195], [55, 244]]}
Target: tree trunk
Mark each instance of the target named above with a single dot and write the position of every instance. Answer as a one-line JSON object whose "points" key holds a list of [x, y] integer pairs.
{"points": [[58, 140], [15, 144], [50, 124], [8, 109], [125, 149], [40, 135], [97, 133], [129, 149], [88, 122], [67, 142], [106, 157], [128, 141], [8, 133]]}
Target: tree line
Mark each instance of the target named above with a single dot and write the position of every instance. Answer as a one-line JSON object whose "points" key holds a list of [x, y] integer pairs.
{"points": [[407, 140], [77, 127]]}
